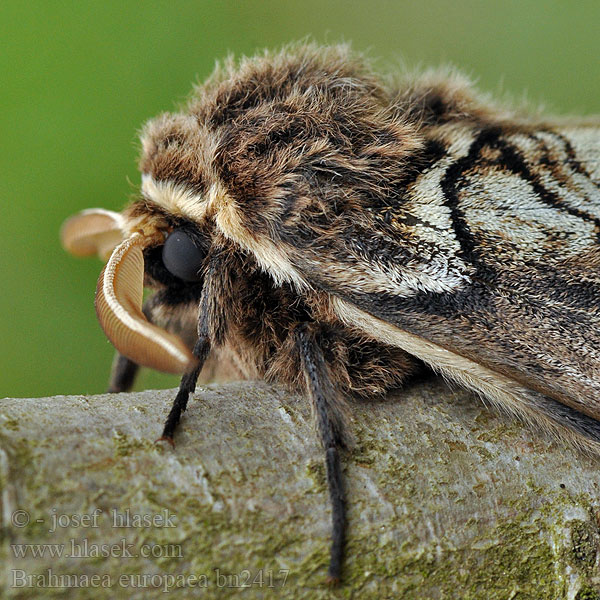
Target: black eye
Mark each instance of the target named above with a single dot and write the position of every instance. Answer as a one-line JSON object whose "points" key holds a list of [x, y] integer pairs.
{"points": [[182, 257]]}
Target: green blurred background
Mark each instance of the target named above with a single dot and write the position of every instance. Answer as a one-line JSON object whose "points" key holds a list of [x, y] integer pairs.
{"points": [[79, 78]]}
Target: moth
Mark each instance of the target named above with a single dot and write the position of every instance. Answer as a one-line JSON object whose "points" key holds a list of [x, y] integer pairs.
{"points": [[339, 231]]}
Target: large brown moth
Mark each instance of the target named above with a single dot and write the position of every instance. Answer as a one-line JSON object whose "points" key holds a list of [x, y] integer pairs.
{"points": [[338, 232]]}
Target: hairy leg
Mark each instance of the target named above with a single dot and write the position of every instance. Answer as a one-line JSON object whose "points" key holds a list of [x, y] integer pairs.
{"points": [[122, 374], [330, 426], [211, 332]]}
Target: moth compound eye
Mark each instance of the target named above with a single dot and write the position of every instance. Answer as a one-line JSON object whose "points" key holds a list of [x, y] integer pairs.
{"points": [[182, 257]]}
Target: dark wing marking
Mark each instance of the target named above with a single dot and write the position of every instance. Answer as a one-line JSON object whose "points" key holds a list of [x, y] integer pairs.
{"points": [[512, 282]]}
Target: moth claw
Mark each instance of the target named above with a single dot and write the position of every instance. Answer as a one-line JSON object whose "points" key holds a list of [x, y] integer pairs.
{"points": [[165, 438], [332, 581]]}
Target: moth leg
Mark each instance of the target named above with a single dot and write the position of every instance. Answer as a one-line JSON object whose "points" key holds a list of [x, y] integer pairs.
{"points": [[122, 374], [330, 426], [211, 332], [186, 387]]}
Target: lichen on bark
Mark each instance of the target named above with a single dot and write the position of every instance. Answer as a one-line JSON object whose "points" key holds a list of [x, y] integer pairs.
{"points": [[445, 499]]}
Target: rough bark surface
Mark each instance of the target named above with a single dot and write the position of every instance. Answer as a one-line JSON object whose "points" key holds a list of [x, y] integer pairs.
{"points": [[446, 500]]}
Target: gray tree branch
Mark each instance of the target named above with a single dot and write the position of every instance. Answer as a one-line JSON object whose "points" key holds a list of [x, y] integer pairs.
{"points": [[446, 500]]}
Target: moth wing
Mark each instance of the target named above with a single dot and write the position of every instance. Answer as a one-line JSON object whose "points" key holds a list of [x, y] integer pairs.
{"points": [[535, 326], [486, 267], [511, 282]]}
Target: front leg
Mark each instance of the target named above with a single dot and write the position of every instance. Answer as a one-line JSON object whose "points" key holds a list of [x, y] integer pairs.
{"points": [[122, 374], [212, 327], [186, 387], [329, 419]]}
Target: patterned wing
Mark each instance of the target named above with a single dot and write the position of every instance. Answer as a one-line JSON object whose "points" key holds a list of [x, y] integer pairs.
{"points": [[491, 252]]}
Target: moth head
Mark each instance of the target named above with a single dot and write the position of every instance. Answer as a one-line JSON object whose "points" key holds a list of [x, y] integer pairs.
{"points": [[266, 142], [143, 252]]}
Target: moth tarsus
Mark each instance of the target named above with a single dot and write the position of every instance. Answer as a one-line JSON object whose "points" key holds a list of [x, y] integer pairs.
{"points": [[335, 231], [186, 388], [169, 440]]}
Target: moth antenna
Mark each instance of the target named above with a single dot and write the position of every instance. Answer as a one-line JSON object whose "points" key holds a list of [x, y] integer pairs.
{"points": [[124, 370], [119, 309], [92, 231], [159, 310]]}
